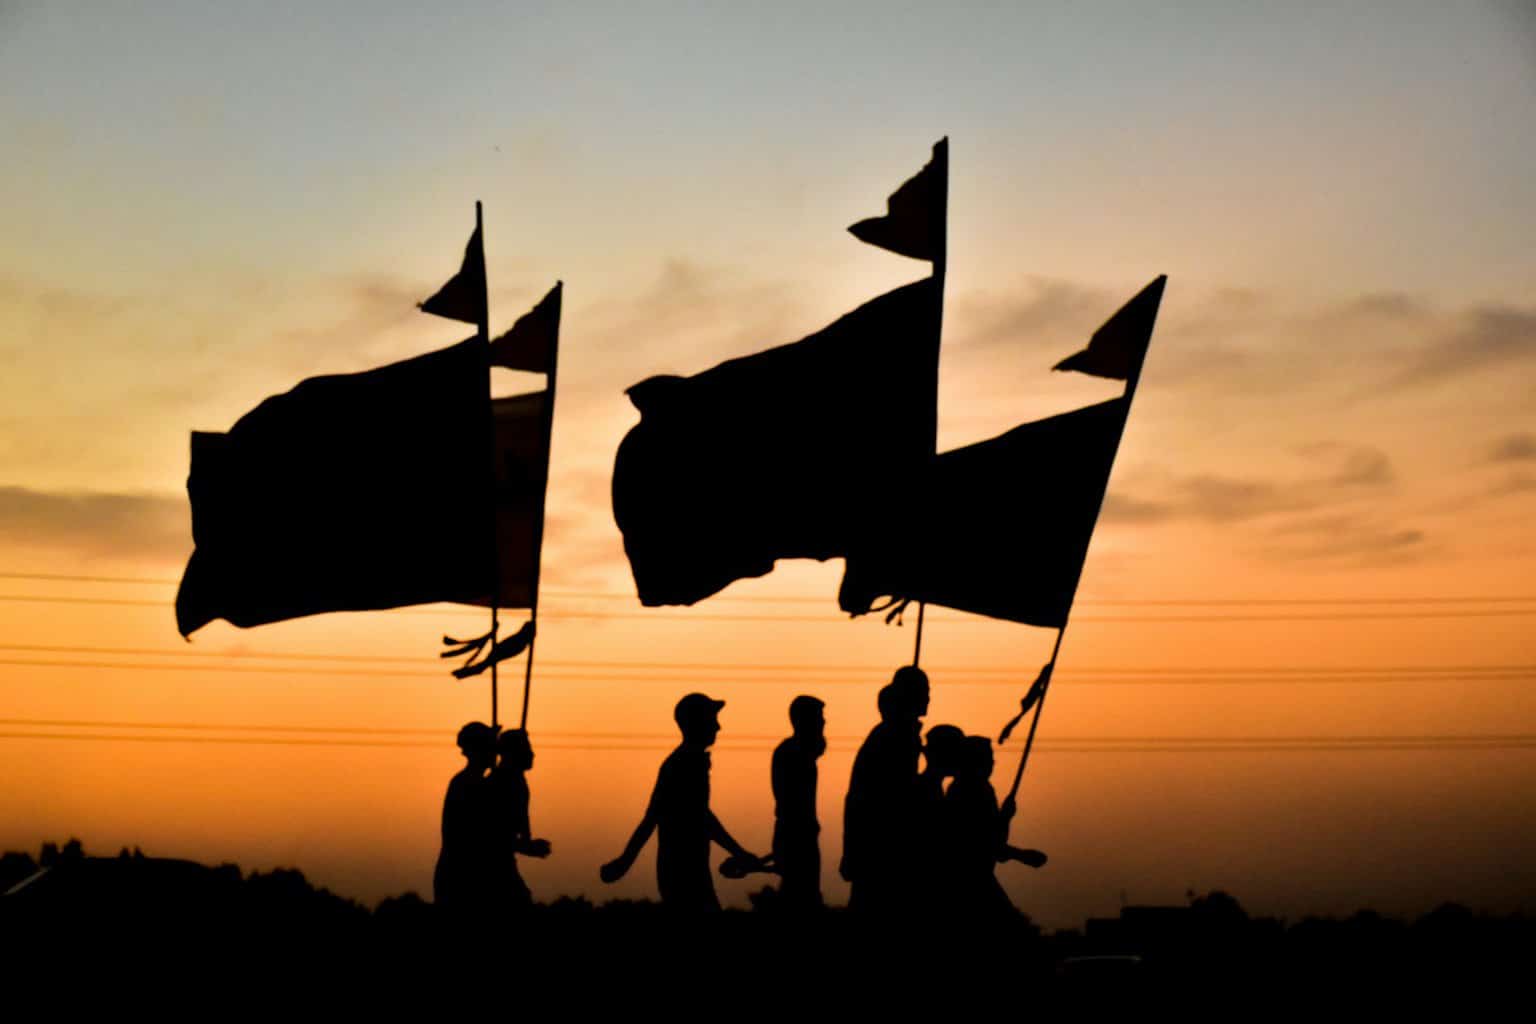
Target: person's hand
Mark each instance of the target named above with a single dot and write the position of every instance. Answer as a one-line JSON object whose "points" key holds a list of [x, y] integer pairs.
{"points": [[1009, 809], [1033, 858], [1037, 688], [537, 848], [614, 870], [741, 865]]}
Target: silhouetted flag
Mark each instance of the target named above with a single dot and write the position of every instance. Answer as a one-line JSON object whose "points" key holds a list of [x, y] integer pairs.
{"points": [[1002, 528], [463, 297], [364, 491], [520, 467], [530, 342], [788, 453], [1117, 349], [913, 224], [999, 528]]}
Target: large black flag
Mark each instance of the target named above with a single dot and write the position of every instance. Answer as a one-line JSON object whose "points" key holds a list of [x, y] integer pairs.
{"points": [[367, 490], [788, 453], [1002, 528], [999, 528]]}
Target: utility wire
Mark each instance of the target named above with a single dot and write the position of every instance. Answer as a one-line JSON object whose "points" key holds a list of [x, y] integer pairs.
{"points": [[579, 677], [877, 670], [848, 741], [960, 619], [821, 600], [1384, 744]]}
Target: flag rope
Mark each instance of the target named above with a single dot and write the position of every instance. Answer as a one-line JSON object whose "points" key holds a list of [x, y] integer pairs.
{"points": [[1029, 740]]}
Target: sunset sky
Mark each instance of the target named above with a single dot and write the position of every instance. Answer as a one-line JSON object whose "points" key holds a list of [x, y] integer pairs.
{"points": [[1302, 666]]}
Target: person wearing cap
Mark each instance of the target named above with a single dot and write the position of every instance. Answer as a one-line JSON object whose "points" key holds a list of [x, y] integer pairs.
{"points": [[679, 814], [796, 832], [460, 879]]}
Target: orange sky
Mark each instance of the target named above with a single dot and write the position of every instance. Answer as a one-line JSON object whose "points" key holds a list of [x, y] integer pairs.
{"points": [[1339, 405]]}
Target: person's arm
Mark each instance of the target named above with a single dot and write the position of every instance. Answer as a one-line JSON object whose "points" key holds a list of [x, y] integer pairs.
{"points": [[1033, 858], [526, 844], [620, 865], [718, 833]]}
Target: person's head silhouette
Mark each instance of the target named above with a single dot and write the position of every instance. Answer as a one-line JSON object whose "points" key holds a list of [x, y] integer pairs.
{"points": [[698, 717], [911, 684], [944, 749], [477, 742], [976, 760], [514, 750], [807, 716]]}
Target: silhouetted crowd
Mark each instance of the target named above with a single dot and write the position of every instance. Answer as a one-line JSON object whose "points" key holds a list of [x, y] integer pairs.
{"points": [[922, 828]]}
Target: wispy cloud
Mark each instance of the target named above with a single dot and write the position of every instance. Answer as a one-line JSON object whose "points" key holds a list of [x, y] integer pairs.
{"points": [[1481, 339], [1514, 448], [1338, 473], [1515, 483], [1241, 342], [1352, 540], [90, 526], [1334, 512]]}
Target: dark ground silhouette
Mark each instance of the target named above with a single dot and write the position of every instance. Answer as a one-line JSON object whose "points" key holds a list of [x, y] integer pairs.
{"points": [[64, 900]]}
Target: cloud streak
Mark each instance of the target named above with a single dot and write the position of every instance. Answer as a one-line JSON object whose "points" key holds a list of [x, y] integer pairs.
{"points": [[1342, 473], [150, 527], [1514, 448], [1482, 339], [1237, 342]]}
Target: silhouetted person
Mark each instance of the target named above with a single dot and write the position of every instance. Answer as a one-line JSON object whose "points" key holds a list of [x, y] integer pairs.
{"points": [[679, 814], [878, 852], [931, 850], [977, 836], [461, 877], [510, 833], [796, 832]]}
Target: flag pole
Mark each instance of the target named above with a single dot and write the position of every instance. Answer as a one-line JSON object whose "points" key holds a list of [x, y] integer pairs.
{"points": [[940, 228], [1130, 396], [538, 530], [484, 327], [1029, 741], [917, 644]]}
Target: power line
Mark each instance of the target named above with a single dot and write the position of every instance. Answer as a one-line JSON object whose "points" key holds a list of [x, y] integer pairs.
{"points": [[850, 739], [605, 595], [1381, 744], [628, 677], [873, 670], [969, 620]]}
